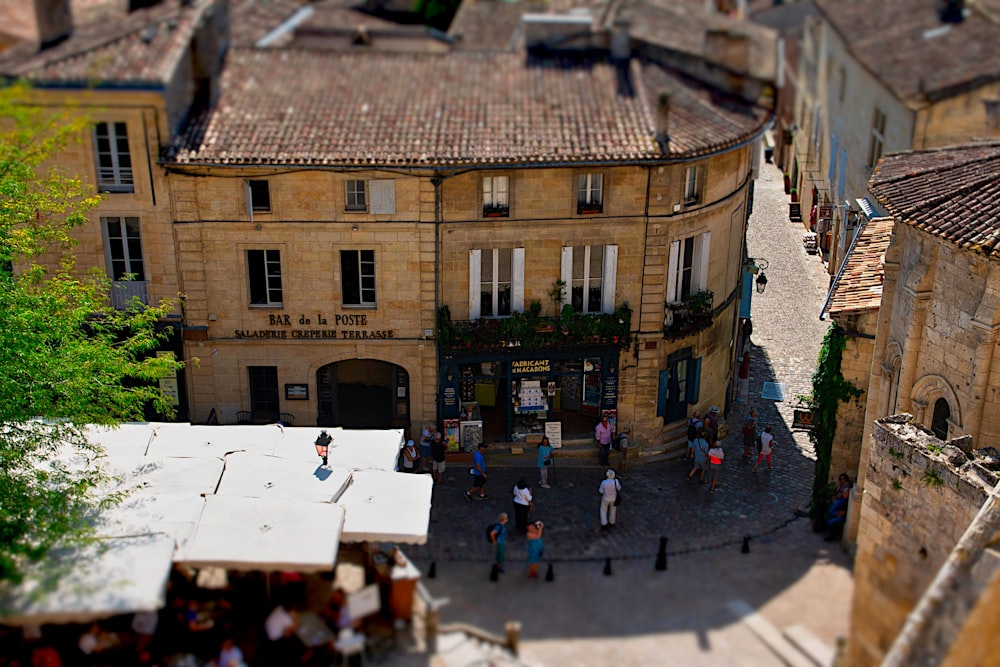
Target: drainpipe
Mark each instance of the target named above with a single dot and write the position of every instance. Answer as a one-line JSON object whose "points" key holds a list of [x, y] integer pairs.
{"points": [[437, 181]]}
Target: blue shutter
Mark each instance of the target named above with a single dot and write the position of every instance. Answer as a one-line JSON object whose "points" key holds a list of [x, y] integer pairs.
{"points": [[693, 380], [833, 161], [746, 295], [661, 393], [843, 168]]}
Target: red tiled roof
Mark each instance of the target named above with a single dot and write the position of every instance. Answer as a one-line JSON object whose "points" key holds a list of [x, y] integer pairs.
{"points": [[335, 108], [251, 20], [951, 193], [490, 25], [859, 287], [907, 47], [140, 47]]}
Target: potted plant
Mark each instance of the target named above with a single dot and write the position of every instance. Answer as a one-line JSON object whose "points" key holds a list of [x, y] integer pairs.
{"points": [[794, 193]]}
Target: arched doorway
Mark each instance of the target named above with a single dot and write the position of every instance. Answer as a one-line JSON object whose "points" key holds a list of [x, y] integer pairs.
{"points": [[363, 393], [939, 421]]}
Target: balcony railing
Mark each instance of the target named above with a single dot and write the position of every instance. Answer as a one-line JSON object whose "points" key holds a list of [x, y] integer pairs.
{"points": [[687, 317], [532, 332], [124, 292]]}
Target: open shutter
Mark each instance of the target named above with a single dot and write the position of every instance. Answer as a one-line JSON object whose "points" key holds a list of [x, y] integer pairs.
{"points": [[702, 254], [566, 274], [746, 295], [383, 193], [248, 200], [475, 282], [693, 381], [662, 390], [608, 288], [672, 270], [517, 280]]}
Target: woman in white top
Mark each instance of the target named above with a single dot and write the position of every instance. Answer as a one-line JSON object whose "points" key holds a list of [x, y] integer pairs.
{"points": [[609, 489], [411, 459], [766, 447], [522, 504]]}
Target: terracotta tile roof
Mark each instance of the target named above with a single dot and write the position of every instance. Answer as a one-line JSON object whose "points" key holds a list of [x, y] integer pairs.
{"points": [[907, 47], [680, 25], [250, 20], [140, 47], [951, 193], [859, 287], [491, 25], [336, 108]]}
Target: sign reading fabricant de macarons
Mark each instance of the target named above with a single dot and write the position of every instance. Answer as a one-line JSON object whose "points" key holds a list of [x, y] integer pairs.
{"points": [[346, 326]]}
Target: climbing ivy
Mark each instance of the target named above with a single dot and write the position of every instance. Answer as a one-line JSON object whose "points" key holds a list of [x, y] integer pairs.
{"points": [[829, 390]]}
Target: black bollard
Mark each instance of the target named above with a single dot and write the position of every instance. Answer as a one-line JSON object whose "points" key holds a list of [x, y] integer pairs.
{"points": [[746, 545], [661, 555], [549, 574], [495, 572], [433, 570], [607, 567]]}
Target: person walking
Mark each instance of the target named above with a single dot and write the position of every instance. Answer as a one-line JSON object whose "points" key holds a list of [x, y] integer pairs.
{"points": [[544, 461], [766, 447], [712, 424], [749, 434], [438, 451], [700, 457], [522, 505], [534, 547], [743, 384], [603, 434], [479, 470], [609, 490], [715, 458], [498, 537], [623, 442], [694, 426], [426, 446]]}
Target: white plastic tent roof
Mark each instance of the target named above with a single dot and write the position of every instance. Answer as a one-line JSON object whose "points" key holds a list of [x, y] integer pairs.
{"points": [[385, 506], [355, 450], [266, 534], [202, 441], [175, 515], [115, 576], [165, 475], [127, 439], [253, 476]]}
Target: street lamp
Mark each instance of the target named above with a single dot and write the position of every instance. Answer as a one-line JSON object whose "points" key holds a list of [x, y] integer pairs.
{"points": [[322, 443], [756, 266]]}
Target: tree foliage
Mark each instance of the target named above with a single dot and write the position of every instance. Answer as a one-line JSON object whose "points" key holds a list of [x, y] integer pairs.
{"points": [[67, 358]]}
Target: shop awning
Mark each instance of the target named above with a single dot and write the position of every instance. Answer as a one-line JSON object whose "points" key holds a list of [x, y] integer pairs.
{"points": [[254, 476], [265, 534], [351, 449], [383, 506], [114, 576]]}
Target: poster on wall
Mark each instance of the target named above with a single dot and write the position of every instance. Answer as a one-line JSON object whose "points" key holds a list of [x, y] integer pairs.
{"points": [[553, 431], [451, 434], [591, 393]]}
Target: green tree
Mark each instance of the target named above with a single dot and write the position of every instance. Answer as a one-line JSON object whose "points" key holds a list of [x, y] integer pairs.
{"points": [[67, 358]]}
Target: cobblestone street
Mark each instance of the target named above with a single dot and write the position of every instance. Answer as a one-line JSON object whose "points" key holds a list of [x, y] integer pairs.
{"points": [[703, 530]]}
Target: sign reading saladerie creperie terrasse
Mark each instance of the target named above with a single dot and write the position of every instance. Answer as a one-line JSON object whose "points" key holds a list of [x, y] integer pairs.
{"points": [[296, 328]]}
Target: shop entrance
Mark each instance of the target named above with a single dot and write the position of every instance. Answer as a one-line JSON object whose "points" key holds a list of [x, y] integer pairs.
{"points": [[363, 393]]}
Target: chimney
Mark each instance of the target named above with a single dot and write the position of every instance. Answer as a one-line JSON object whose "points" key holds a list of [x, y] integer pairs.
{"points": [[953, 11], [621, 42], [44, 22], [663, 119]]}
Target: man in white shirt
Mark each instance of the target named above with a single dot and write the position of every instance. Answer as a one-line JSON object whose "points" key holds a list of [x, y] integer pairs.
{"points": [[766, 447]]}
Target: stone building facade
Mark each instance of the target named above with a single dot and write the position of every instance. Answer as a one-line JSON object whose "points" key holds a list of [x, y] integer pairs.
{"points": [[925, 588], [320, 209], [941, 87]]}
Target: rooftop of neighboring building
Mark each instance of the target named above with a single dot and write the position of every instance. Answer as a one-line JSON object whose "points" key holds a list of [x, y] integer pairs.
{"points": [[337, 108], [109, 45], [950, 193], [859, 286], [927, 56]]}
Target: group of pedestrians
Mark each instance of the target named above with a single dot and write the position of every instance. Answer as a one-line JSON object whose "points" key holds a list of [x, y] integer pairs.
{"points": [[429, 458], [705, 447]]}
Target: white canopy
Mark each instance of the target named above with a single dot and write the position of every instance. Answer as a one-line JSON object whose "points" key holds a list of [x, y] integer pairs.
{"points": [[130, 439], [203, 441], [355, 450], [165, 475], [266, 534], [383, 506], [175, 515], [115, 576], [254, 476]]}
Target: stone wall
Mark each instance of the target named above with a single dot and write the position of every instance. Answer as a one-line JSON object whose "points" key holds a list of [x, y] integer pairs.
{"points": [[920, 496]]}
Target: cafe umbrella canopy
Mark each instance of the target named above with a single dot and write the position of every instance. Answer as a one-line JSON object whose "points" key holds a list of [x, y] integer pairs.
{"points": [[234, 497]]}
